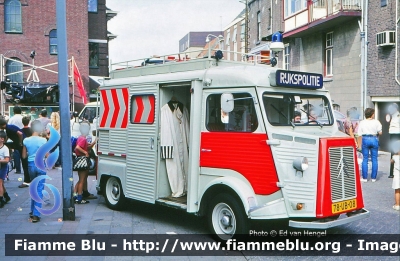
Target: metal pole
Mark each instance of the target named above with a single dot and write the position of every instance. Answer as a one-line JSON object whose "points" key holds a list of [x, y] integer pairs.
{"points": [[246, 28], [209, 50], [66, 153], [1, 79], [73, 83]]}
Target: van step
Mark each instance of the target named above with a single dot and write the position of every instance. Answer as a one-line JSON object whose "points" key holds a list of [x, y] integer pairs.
{"points": [[179, 203]]}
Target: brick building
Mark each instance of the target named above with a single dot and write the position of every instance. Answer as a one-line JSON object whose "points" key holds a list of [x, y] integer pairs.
{"points": [[316, 41], [99, 39], [234, 36], [265, 18], [29, 25], [194, 42], [383, 77]]}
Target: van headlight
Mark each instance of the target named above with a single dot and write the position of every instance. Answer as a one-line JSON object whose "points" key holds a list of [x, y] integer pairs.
{"points": [[300, 164]]}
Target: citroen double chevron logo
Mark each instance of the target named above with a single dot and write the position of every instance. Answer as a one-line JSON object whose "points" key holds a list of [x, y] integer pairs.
{"points": [[342, 166]]}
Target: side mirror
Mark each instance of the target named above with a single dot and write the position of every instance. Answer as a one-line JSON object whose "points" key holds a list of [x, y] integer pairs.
{"points": [[227, 102]]}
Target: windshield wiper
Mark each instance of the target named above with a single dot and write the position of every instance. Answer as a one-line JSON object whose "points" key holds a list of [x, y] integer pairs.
{"points": [[309, 115], [293, 125]]}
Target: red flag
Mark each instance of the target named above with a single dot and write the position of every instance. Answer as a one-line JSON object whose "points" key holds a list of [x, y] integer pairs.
{"points": [[79, 83]]}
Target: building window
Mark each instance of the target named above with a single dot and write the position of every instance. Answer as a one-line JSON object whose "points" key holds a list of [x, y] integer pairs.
{"points": [[92, 6], [94, 55], [12, 16], [328, 54], [286, 55], [234, 34], [294, 6], [228, 37], [242, 32], [243, 118], [53, 41], [269, 18], [14, 67], [142, 109], [383, 3], [258, 26]]}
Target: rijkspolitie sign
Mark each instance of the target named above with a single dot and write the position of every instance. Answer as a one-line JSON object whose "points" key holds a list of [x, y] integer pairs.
{"points": [[295, 79]]}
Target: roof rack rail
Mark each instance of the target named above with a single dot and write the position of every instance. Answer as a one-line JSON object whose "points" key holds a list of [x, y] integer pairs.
{"points": [[194, 55]]}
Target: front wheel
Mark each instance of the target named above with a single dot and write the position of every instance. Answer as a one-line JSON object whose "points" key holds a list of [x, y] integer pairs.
{"points": [[113, 193], [226, 217]]}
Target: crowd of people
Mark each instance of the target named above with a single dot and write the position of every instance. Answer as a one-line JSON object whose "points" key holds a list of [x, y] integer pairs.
{"points": [[368, 134], [21, 138]]}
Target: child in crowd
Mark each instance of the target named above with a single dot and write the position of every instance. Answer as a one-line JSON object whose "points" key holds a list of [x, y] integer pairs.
{"points": [[82, 149], [4, 158], [31, 146], [396, 176], [26, 129]]}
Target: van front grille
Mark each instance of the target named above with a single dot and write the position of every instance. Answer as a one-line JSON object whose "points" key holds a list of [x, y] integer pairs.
{"points": [[342, 173]]}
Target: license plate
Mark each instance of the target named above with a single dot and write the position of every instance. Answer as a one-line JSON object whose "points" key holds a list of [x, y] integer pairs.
{"points": [[344, 205]]}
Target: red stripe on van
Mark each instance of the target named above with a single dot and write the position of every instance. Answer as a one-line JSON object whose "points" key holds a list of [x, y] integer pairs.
{"points": [[150, 119], [104, 116], [245, 153], [125, 93], [116, 109]]}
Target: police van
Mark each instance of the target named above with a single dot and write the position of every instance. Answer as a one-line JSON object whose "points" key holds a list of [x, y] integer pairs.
{"points": [[261, 143]]}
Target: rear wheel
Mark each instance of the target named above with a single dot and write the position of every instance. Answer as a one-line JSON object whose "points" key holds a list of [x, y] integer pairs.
{"points": [[226, 217], [113, 193]]}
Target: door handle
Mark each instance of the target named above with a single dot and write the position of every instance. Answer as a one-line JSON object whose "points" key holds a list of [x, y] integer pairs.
{"points": [[274, 142], [151, 143], [206, 150]]}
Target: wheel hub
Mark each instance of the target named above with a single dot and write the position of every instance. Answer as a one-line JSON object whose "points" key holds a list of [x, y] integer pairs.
{"points": [[115, 190], [226, 220]]}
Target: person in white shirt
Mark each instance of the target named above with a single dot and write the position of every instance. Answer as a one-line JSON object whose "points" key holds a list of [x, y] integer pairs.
{"points": [[17, 121], [394, 131], [17, 118], [368, 132]]}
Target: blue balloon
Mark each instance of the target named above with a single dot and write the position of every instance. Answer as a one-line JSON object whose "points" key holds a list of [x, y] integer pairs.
{"points": [[43, 150], [35, 196]]}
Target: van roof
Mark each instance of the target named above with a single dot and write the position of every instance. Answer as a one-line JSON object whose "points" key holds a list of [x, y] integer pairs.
{"points": [[91, 104], [221, 74]]}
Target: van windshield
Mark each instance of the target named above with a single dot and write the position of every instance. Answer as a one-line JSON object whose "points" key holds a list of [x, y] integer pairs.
{"points": [[285, 109], [89, 113]]}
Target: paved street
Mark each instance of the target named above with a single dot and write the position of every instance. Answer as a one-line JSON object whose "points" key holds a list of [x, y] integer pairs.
{"points": [[140, 218]]}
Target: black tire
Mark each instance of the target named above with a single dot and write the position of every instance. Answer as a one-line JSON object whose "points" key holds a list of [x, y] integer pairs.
{"points": [[113, 193], [226, 217]]}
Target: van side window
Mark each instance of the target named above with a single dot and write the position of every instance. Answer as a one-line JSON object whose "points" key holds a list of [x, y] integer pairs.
{"points": [[243, 118], [142, 109]]}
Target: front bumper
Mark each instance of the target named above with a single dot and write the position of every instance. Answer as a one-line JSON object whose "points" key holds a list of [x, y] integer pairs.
{"points": [[323, 224]]}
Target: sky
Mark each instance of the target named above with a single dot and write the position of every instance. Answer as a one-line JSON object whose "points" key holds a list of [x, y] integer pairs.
{"points": [[154, 27]]}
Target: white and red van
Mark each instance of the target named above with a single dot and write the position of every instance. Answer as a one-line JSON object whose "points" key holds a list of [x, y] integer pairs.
{"points": [[249, 156]]}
